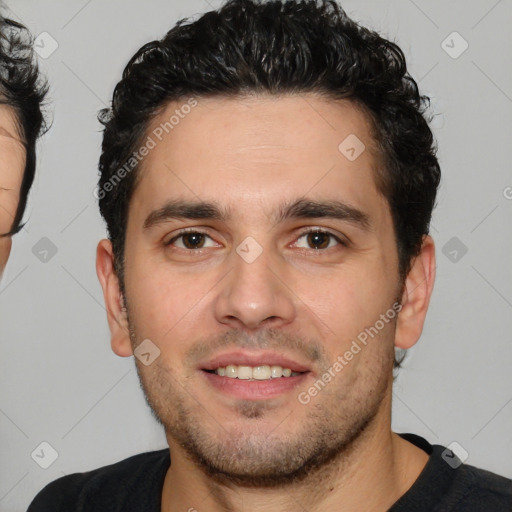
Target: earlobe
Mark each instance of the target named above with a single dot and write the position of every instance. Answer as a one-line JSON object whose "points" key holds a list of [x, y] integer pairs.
{"points": [[416, 296], [116, 312]]}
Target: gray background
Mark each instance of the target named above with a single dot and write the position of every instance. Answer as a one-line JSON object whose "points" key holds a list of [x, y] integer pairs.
{"points": [[59, 381]]}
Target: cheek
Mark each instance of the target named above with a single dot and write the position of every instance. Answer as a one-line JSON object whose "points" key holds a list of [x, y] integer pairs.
{"points": [[5, 249], [165, 303], [350, 296], [8, 206]]}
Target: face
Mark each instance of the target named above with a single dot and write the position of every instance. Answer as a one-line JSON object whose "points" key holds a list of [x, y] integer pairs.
{"points": [[12, 166], [287, 264]]}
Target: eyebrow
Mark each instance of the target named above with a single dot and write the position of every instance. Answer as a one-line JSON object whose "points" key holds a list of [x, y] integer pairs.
{"points": [[299, 209]]}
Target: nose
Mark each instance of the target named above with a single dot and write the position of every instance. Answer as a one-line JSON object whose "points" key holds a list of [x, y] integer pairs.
{"points": [[255, 293]]}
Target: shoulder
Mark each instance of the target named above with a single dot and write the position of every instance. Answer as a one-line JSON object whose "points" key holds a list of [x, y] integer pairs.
{"points": [[446, 484], [106, 486], [482, 489]]}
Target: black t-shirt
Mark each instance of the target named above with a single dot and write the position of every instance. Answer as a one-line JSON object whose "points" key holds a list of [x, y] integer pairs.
{"points": [[135, 485]]}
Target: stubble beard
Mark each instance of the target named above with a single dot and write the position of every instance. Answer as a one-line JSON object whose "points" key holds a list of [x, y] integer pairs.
{"points": [[331, 427]]}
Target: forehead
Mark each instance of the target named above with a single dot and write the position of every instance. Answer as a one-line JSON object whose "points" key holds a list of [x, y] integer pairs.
{"points": [[251, 151], [8, 124]]}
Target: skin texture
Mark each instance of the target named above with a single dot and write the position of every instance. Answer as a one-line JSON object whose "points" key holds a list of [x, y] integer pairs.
{"points": [[12, 165], [252, 154]]}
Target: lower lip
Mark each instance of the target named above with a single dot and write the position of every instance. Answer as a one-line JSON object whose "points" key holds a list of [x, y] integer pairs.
{"points": [[254, 389]]}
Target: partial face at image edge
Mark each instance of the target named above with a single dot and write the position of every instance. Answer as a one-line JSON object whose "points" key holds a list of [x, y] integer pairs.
{"points": [[12, 166]]}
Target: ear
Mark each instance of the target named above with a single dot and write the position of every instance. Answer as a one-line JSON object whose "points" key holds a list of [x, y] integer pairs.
{"points": [[116, 312], [416, 296]]}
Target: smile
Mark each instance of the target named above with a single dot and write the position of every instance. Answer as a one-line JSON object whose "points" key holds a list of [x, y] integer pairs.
{"points": [[260, 372]]}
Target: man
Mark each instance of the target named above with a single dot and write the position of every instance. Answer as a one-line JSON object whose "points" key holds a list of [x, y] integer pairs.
{"points": [[267, 180], [21, 122]]}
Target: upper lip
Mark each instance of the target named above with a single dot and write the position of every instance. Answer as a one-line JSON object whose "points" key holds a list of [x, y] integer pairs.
{"points": [[245, 358]]}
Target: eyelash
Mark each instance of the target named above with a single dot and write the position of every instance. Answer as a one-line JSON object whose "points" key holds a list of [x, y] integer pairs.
{"points": [[183, 232]]}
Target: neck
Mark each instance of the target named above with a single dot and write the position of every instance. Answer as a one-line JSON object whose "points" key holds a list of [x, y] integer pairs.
{"points": [[370, 474]]}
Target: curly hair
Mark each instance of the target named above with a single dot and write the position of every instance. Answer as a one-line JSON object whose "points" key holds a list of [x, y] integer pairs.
{"points": [[23, 89], [274, 47]]}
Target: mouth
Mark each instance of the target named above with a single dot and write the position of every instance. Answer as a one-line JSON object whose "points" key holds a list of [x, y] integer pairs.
{"points": [[254, 376], [260, 372]]}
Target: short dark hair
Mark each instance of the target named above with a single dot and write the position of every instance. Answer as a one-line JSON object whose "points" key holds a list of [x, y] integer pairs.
{"points": [[23, 89], [274, 47]]}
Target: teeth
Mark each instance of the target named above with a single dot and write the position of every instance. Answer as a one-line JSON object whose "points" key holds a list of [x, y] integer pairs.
{"points": [[244, 372], [263, 372], [231, 371], [276, 371]]}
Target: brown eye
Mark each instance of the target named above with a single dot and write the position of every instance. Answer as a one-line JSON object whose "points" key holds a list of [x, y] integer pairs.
{"points": [[318, 240], [193, 240], [190, 240]]}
